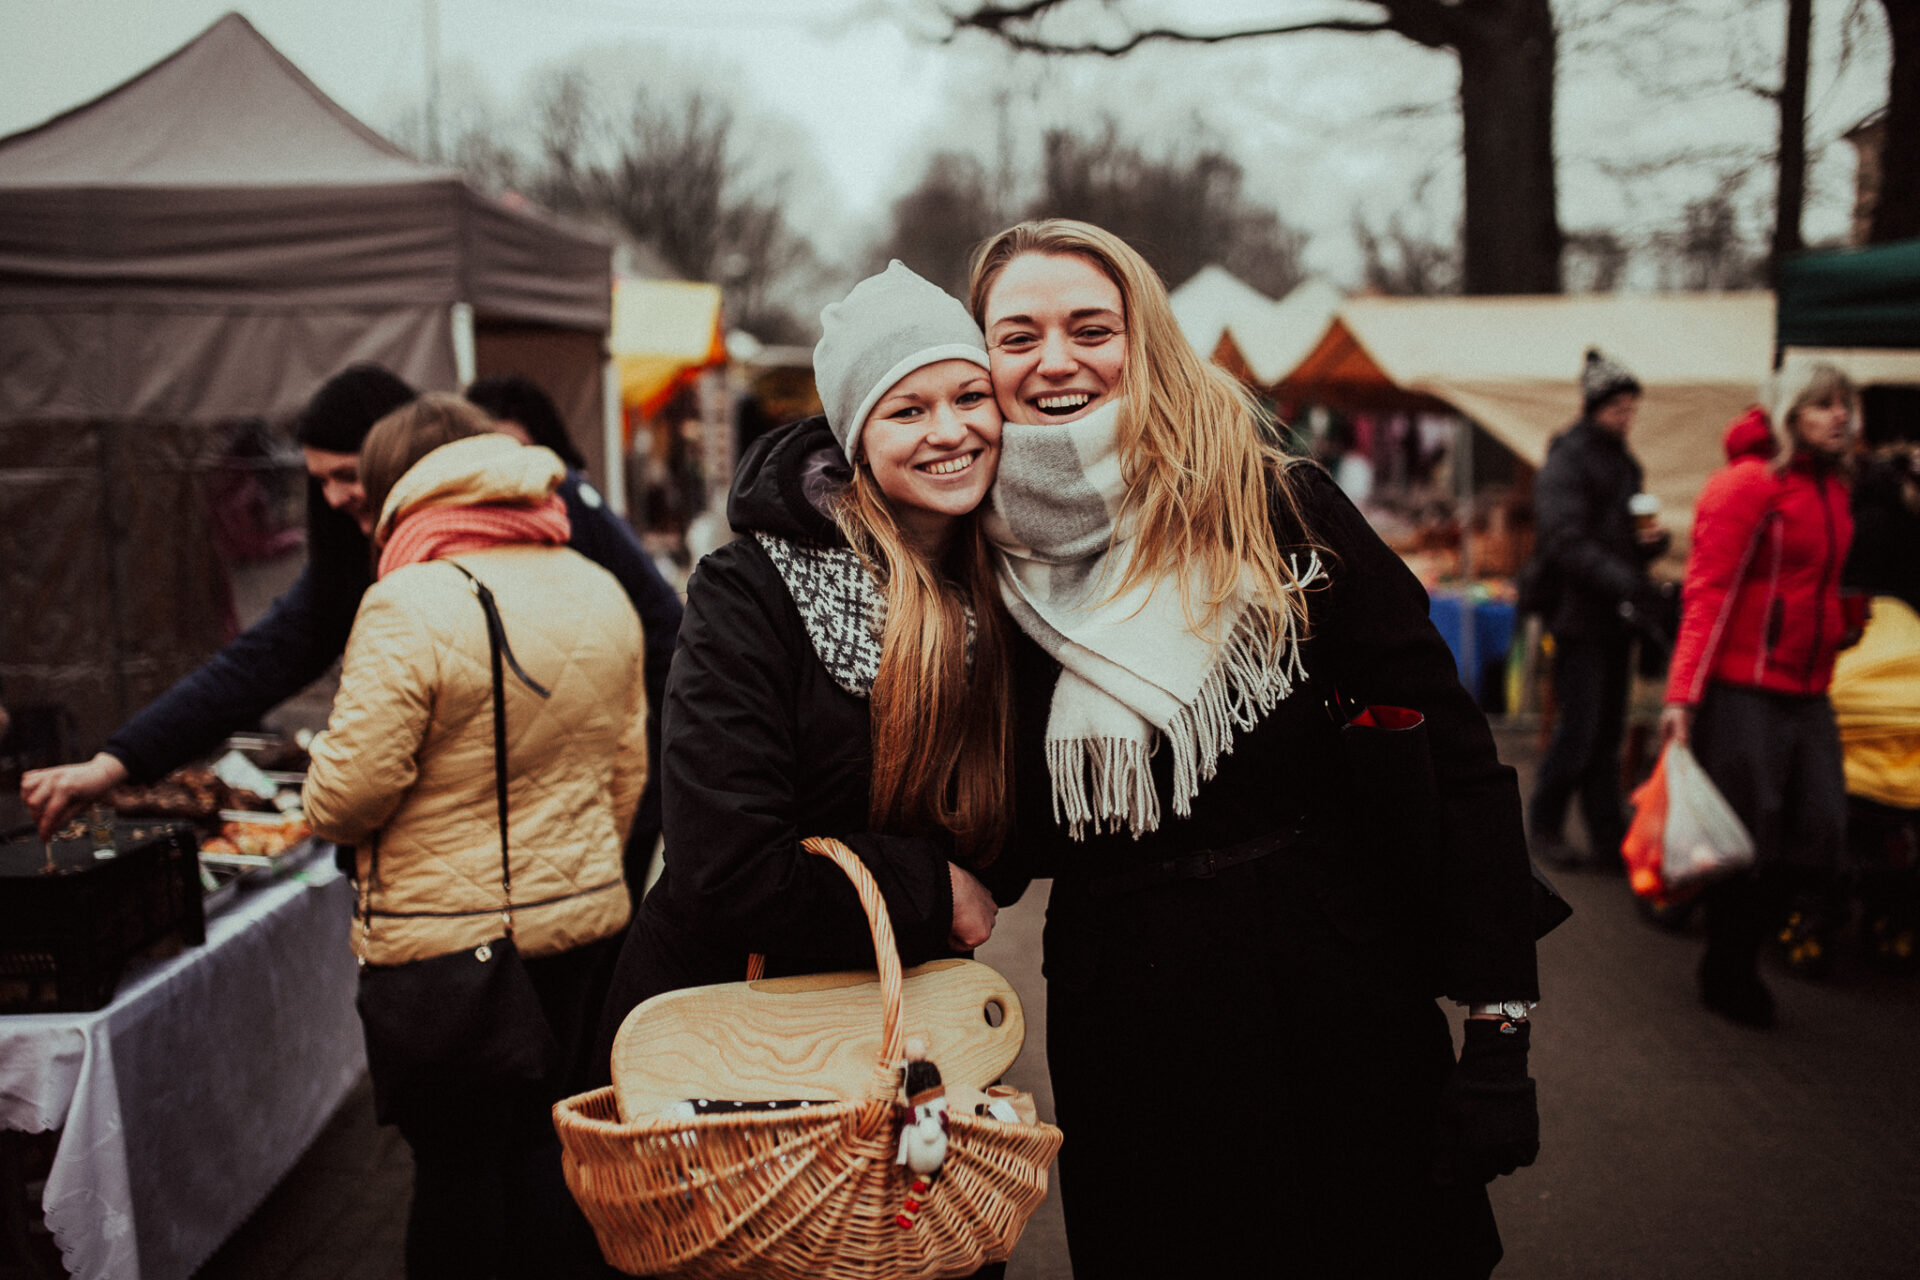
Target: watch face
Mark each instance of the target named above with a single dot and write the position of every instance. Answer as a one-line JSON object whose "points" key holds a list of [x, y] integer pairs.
{"points": [[1515, 1009]]}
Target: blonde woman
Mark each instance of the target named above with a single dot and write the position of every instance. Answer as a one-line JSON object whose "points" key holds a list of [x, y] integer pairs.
{"points": [[1761, 622], [1246, 1051], [446, 863], [841, 671]]}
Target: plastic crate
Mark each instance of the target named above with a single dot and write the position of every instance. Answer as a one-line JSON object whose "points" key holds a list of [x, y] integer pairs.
{"points": [[67, 932]]}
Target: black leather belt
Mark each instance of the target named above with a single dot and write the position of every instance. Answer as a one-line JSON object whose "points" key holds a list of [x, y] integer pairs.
{"points": [[1199, 865]]}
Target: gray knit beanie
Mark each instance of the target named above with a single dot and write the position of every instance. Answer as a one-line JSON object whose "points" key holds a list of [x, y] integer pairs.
{"points": [[1601, 380], [889, 326]]}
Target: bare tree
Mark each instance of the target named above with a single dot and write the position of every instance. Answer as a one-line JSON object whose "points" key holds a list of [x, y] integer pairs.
{"points": [[673, 175], [1896, 214], [1399, 262], [1708, 251], [1596, 260], [936, 226], [1511, 238], [1792, 189], [1183, 211]]}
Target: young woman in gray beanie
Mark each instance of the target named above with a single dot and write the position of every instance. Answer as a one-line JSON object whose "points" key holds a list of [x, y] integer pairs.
{"points": [[1246, 1051], [842, 672]]}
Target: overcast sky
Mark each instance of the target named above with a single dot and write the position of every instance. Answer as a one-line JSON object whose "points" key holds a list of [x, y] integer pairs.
{"points": [[852, 102]]}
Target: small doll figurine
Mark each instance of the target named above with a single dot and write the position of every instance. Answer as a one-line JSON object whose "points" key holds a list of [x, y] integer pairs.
{"points": [[923, 1137]]}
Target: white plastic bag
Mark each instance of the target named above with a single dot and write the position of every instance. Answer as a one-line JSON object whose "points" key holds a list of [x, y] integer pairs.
{"points": [[1704, 839]]}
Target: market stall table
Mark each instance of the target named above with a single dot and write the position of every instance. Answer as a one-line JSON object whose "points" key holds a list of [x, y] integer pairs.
{"points": [[188, 1097]]}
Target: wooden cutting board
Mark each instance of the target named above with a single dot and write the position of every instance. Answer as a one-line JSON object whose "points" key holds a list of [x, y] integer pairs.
{"points": [[813, 1037]]}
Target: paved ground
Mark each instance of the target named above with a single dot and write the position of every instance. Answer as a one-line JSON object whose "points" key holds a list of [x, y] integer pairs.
{"points": [[1675, 1145]]}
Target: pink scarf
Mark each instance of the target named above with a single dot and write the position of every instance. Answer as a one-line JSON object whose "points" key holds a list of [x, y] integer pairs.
{"points": [[438, 532]]}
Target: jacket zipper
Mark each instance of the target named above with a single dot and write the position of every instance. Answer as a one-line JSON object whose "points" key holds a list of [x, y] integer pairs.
{"points": [[1764, 649], [1826, 572]]}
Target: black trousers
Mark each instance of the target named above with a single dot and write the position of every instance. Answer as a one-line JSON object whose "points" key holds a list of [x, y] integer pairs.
{"points": [[1776, 758], [489, 1198], [1590, 700]]}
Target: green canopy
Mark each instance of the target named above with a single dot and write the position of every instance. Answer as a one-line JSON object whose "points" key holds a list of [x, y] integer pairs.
{"points": [[1851, 297]]}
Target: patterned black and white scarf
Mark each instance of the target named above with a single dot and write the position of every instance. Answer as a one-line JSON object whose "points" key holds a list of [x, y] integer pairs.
{"points": [[841, 606], [1136, 675]]}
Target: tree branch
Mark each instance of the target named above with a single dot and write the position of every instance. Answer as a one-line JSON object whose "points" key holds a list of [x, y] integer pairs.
{"points": [[1003, 22]]}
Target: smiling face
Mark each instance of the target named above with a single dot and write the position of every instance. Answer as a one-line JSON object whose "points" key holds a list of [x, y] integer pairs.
{"points": [[932, 443], [339, 477], [1056, 337]]}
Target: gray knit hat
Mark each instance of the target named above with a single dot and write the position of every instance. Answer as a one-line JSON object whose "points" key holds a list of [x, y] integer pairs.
{"points": [[889, 326], [1601, 379]]}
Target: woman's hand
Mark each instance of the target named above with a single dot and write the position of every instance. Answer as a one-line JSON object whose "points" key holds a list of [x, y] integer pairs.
{"points": [[973, 910], [57, 794], [1676, 724]]}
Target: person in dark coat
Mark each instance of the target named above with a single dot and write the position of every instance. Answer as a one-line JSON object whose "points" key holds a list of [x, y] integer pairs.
{"points": [[1594, 562], [797, 707], [305, 631], [1248, 1061], [520, 406]]}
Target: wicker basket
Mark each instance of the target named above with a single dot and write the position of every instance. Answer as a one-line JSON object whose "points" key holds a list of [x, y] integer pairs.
{"points": [[808, 1194]]}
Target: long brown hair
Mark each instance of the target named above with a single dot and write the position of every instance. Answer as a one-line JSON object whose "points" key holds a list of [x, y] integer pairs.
{"points": [[409, 434], [942, 735], [1196, 462]]}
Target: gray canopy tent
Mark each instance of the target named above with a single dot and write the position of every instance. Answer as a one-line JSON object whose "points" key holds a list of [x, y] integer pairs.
{"points": [[203, 246]]}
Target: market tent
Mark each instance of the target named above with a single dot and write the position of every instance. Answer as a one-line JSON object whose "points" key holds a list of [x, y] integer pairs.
{"points": [[1855, 308], [200, 246], [1248, 332], [664, 332], [1511, 364], [1868, 297]]}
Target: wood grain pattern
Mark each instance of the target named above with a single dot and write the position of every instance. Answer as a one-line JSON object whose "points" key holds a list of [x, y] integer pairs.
{"points": [[816, 1036]]}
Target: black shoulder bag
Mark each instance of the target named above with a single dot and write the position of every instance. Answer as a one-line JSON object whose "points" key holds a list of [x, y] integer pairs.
{"points": [[470, 1015]]}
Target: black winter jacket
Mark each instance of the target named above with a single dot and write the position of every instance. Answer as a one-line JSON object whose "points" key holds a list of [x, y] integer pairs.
{"points": [[762, 749], [1372, 642], [1885, 557], [306, 629], [1589, 554]]}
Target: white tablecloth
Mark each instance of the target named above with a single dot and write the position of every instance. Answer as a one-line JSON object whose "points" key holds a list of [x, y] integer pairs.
{"points": [[185, 1100]]}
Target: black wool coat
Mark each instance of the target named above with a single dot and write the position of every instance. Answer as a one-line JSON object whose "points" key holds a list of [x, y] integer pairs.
{"points": [[761, 748], [1247, 1065]]}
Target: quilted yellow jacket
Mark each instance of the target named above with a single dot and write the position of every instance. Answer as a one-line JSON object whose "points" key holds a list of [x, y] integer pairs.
{"points": [[407, 759]]}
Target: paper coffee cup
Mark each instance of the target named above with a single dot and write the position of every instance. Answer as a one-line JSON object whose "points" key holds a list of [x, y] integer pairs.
{"points": [[1646, 510]]}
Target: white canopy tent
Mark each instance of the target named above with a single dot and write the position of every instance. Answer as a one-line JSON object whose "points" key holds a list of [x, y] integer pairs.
{"points": [[1512, 365], [1257, 337]]}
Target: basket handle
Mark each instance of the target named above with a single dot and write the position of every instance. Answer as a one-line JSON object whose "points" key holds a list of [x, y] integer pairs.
{"points": [[885, 1085]]}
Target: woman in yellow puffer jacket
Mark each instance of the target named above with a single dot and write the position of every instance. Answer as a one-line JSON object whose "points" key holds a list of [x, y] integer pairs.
{"points": [[406, 773]]}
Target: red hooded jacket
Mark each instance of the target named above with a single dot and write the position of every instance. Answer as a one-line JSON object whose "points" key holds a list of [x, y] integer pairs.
{"points": [[1778, 623], [1750, 435]]}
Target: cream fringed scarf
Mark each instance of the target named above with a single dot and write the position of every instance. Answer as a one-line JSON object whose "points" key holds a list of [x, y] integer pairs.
{"points": [[1134, 671]]}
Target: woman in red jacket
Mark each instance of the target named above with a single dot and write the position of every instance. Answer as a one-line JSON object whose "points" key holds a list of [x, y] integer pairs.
{"points": [[1761, 622]]}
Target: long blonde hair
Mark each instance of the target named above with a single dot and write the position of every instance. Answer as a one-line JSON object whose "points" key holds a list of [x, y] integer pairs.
{"points": [[942, 731], [1795, 389], [1196, 463]]}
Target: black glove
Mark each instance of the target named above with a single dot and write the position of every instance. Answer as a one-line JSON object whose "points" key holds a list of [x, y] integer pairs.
{"points": [[1489, 1121]]}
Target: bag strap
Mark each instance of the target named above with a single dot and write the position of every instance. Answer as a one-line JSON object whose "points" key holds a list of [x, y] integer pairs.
{"points": [[501, 654], [1704, 671]]}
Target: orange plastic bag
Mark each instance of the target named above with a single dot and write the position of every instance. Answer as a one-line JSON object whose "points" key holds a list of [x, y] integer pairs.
{"points": [[1645, 844]]}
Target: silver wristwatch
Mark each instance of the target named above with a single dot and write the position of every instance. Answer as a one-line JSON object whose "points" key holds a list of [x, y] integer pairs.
{"points": [[1511, 1010]]}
